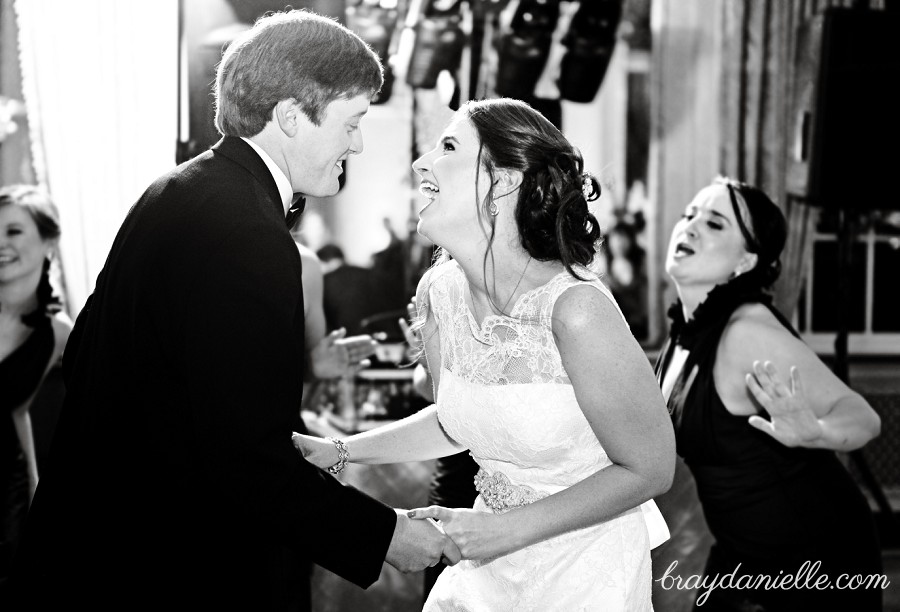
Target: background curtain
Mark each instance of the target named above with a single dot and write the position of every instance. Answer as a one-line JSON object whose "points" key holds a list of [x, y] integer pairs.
{"points": [[15, 151], [99, 80], [758, 87]]}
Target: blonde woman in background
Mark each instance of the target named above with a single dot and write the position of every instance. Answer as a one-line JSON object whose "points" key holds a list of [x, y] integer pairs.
{"points": [[33, 333]]}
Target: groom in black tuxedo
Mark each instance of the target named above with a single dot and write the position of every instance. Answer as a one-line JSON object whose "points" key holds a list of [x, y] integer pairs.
{"points": [[173, 483]]}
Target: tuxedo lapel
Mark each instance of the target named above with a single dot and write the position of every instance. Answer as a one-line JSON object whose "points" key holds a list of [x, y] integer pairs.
{"points": [[241, 153]]}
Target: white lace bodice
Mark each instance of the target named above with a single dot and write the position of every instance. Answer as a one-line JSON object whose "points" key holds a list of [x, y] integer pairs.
{"points": [[504, 393], [513, 349]]}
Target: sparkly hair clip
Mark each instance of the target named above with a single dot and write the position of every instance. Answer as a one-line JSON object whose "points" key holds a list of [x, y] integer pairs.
{"points": [[587, 187]]}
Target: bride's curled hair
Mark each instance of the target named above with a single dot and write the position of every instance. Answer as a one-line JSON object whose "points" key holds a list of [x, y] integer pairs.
{"points": [[551, 211]]}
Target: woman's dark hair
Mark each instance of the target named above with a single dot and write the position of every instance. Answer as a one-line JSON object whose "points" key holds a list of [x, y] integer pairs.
{"points": [[766, 234], [551, 211], [42, 210]]}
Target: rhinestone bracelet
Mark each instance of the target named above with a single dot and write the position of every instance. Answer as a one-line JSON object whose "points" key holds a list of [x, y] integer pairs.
{"points": [[343, 456]]}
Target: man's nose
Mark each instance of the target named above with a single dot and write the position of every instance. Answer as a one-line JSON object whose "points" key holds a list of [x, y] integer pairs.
{"points": [[356, 144]]}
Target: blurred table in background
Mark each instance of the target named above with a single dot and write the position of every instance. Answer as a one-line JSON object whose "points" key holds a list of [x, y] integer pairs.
{"points": [[373, 397]]}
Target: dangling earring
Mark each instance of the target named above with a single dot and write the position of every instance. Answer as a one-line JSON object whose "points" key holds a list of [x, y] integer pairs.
{"points": [[492, 209]]}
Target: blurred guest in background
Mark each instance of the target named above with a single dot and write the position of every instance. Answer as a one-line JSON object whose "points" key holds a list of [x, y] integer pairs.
{"points": [[758, 417], [329, 354], [626, 275], [389, 267], [33, 333], [349, 292]]}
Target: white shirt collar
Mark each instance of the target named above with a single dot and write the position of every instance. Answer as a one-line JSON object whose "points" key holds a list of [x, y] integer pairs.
{"points": [[281, 181]]}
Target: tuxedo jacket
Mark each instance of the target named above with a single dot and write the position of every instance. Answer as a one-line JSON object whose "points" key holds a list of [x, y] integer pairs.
{"points": [[173, 483]]}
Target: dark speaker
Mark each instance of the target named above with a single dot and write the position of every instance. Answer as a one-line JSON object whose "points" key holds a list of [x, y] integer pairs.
{"points": [[848, 142], [590, 42], [523, 51]]}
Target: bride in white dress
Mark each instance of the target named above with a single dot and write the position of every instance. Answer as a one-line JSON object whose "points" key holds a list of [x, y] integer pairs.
{"points": [[536, 373]]}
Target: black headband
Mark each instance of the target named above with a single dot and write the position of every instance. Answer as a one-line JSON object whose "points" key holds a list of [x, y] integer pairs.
{"points": [[752, 242]]}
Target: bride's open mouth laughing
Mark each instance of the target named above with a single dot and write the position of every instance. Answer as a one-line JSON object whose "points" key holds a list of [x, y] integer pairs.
{"points": [[430, 191]]}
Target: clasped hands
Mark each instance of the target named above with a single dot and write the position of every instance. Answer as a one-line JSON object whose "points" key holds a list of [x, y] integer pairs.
{"points": [[424, 537]]}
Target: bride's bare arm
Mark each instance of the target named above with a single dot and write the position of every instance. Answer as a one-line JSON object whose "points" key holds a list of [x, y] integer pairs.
{"points": [[416, 438], [419, 437]]}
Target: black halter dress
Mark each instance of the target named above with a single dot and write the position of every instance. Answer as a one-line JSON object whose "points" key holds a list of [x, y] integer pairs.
{"points": [[770, 508], [20, 374]]}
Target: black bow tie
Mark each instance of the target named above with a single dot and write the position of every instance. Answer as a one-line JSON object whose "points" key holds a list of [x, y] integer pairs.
{"points": [[297, 206]]}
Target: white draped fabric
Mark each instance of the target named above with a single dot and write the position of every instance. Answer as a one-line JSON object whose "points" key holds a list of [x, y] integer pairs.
{"points": [[99, 78]]}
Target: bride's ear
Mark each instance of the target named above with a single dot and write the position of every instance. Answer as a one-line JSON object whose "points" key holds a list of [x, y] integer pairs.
{"points": [[507, 182]]}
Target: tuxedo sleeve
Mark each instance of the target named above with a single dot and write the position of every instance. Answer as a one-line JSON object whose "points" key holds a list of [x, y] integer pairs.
{"points": [[74, 341], [245, 358]]}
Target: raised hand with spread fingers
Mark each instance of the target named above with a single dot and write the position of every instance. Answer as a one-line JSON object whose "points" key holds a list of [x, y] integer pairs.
{"points": [[791, 419]]}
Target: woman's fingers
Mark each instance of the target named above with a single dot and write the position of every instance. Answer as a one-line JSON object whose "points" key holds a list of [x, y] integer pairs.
{"points": [[437, 513], [796, 385], [762, 424], [756, 389], [768, 379], [778, 386], [451, 554]]}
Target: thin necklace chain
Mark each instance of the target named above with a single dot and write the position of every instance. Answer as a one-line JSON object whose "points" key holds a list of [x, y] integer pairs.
{"points": [[509, 299]]}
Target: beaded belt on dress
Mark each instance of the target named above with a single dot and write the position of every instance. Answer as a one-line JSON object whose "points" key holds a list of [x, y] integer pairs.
{"points": [[500, 495]]}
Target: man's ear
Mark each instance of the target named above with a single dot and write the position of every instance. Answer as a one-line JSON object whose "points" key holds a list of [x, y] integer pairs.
{"points": [[286, 115]]}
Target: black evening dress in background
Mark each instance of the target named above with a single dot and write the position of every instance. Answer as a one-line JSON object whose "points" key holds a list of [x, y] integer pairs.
{"points": [[769, 507], [20, 374]]}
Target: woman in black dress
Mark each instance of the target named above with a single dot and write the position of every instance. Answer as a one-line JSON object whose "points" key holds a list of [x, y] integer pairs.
{"points": [[758, 418], [33, 333]]}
